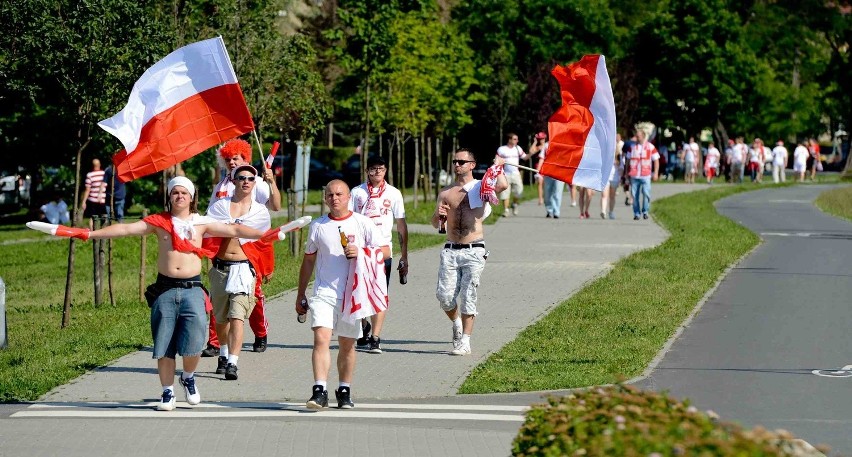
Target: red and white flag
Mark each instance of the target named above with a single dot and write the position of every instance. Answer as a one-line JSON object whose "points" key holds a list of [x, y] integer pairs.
{"points": [[184, 104], [271, 157], [366, 291], [582, 131]]}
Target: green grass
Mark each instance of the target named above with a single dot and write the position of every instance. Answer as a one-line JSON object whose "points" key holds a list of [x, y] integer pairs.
{"points": [[614, 327], [837, 202], [41, 356]]}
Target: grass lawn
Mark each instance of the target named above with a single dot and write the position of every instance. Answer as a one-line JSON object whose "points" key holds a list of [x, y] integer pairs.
{"points": [[837, 202], [41, 356], [612, 329]]}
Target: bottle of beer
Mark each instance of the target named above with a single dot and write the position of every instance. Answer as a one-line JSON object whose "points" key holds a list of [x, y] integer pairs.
{"points": [[343, 240], [442, 224], [300, 316]]}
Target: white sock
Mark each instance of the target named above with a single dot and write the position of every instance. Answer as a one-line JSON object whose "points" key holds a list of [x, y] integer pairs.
{"points": [[233, 359], [171, 387], [187, 374], [457, 323], [223, 350], [321, 383], [466, 339], [344, 384]]}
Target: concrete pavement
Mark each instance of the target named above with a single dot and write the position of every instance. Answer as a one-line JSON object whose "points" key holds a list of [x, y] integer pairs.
{"points": [[535, 264]]}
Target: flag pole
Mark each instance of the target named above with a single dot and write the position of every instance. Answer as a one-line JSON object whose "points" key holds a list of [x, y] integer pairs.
{"points": [[259, 146], [523, 167]]}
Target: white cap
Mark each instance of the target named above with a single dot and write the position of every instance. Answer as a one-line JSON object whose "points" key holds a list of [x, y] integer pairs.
{"points": [[183, 182]]}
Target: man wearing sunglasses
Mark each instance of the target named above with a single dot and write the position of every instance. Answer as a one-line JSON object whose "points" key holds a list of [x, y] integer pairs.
{"points": [[236, 267], [232, 154], [461, 208], [383, 204]]}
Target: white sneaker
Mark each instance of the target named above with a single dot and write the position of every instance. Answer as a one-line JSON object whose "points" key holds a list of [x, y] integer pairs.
{"points": [[461, 349], [167, 401], [193, 397], [573, 203]]}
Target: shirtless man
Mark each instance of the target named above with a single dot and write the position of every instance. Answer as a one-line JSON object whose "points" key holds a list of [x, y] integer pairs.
{"points": [[178, 315], [464, 254]]}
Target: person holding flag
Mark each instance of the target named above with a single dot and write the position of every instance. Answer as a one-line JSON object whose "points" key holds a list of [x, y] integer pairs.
{"points": [[334, 243], [462, 207], [233, 154], [239, 264], [177, 299]]}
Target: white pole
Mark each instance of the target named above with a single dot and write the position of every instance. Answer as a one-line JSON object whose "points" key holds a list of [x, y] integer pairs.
{"points": [[259, 147]]}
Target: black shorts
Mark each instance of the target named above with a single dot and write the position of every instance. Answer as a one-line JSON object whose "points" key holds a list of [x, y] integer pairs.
{"points": [[810, 163], [94, 209]]}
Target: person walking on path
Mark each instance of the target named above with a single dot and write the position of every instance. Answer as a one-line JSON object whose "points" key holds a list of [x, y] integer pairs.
{"points": [[238, 265], [779, 163], [94, 197], [711, 162], [177, 299], [539, 147], [553, 188], [511, 153], [383, 204], [115, 193], [584, 200], [800, 161], [608, 194], [461, 207], [232, 154], [814, 158], [334, 239], [644, 167]]}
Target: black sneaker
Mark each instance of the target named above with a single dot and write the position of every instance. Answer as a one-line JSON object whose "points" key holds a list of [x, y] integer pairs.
{"points": [[223, 364], [364, 341], [344, 398], [645, 216], [210, 351], [375, 345], [231, 372], [319, 399], [259, 344], [635, 218]]}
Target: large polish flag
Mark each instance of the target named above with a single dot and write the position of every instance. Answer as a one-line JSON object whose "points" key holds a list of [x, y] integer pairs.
{"points": [[582, 131], [184, 104]]}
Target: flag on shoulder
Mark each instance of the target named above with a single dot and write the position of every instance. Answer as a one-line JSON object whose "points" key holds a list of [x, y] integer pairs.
{"points": [[187, 102], [582, 131]]}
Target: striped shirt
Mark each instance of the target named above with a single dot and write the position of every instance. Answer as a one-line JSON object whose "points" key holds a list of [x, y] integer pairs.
{"points": [[95, 184]]}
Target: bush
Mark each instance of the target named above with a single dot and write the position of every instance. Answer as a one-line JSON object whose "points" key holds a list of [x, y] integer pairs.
{"points": [[624, 421]]}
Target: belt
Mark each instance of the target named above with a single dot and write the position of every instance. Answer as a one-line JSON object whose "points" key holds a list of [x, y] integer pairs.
{"points": [[175, 283], [463, 246], [226, 264]]}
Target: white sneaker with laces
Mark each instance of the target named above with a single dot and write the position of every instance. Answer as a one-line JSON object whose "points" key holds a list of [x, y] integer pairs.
{"points": [[462, 349], [167, 401], [193, 397]]}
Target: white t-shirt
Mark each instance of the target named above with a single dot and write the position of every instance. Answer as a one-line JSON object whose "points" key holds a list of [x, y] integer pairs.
{"points": [[801, 154], [738, 153], [754, 154], [382, 208], [332, 266], [713, 157], [689, 153], [779, 155], [225, 188], [512, 156]]}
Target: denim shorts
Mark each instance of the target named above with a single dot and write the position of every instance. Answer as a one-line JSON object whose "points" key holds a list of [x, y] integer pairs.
{"points": [[179, 323]]}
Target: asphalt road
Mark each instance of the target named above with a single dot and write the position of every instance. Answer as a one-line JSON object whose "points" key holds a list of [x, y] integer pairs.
{"points": [[772, 345]]}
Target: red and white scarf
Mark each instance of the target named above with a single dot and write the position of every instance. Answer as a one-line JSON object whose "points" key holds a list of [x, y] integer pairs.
{"points": [[366, 290]]}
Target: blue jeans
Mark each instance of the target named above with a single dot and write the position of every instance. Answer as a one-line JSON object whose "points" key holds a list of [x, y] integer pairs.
{"points": [[641, 186], [119, 210], [179, 323], [553, 189]]}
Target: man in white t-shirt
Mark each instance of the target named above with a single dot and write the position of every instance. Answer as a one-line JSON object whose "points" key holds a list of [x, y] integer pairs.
{"points": [[711, 162], [383, 204], [233, 154], [779, 162], [511, 153], [800, 161], [325, 251], [739, 152]]}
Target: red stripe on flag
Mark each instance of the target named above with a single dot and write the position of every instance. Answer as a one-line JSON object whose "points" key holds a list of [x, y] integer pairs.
{"points": [[186, 129], [570, 125]]}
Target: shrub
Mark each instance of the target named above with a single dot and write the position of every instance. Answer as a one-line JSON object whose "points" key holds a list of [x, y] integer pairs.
{"points": [[625, 421]]}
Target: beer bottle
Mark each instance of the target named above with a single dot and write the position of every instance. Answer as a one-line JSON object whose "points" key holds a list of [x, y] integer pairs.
{"points": [[442, 224], [343, 240]]}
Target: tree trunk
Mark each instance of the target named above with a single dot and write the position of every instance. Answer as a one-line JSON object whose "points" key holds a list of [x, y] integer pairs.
{"points": [[429, 167], [416, 168], [69, 278]]}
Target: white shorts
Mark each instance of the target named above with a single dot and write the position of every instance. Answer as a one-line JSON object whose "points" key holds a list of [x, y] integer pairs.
{"points": [[326, 312], [516, 186], [799, 167]]}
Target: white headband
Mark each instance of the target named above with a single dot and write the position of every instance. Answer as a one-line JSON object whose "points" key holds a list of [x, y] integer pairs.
{"points": [[183, 182]]}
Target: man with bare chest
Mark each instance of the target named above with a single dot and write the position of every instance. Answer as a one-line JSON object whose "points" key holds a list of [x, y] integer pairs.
{"points": [[236, 267], [461, 210]]}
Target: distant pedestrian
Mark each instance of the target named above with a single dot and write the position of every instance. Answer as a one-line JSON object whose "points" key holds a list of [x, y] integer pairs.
{"points": [[464, 254], [711, 162], [814, 158], [553, 188], [538, 147], [779, 163], [584, 200], [608, 194], [739, 153], [512, 154], [689, 156], [94, 196], [115, 194], [644, 167], [800, 161], [327, 257]]}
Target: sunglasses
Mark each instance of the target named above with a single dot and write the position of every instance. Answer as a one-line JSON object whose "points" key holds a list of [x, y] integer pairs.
{"points": [[462, 162], [244, 178]]}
